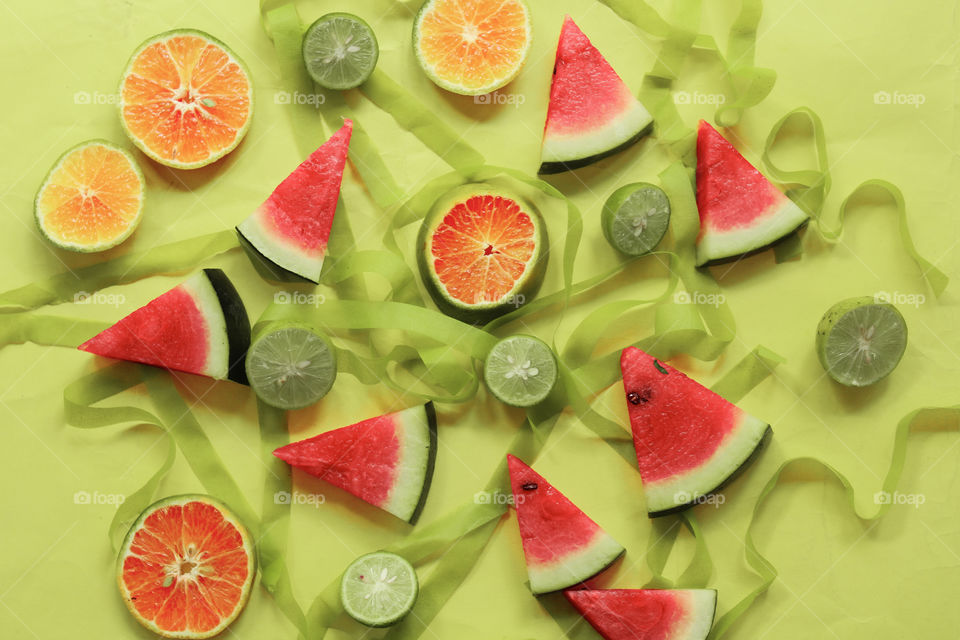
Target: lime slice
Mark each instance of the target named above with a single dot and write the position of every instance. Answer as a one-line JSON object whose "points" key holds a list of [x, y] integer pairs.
{"points": [[291, 365], [520, 370], [378, 589], [340, 51], [635, 218], [861, 340]]}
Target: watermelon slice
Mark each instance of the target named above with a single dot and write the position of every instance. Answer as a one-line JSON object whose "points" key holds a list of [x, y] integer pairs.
{"points": [[740, 210], [690, 442], [592, 113], [561, 544], [647, 614], [286, 237], [387, 461], [200, 326]]}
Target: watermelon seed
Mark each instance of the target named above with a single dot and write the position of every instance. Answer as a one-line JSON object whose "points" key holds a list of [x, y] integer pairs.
{"points": [[659, 367], [633, 397], [530, 486]]}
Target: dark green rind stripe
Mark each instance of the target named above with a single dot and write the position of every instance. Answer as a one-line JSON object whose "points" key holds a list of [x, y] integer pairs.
{"points": [[236, 320]]}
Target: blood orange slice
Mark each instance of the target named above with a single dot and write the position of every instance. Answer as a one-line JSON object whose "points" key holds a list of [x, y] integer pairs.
{"points": [[472, 47], [186, 567], [92, 199], [185, 99], [482, 252]]}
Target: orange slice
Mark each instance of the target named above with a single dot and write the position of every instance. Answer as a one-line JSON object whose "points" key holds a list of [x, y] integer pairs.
{"points": [[472, 47], [185, 99], [92, 198]]}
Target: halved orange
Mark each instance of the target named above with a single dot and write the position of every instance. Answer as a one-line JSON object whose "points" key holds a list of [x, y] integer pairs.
{"points": [[482, 252], [186, 567], [92, 198], [472, 47], [185, 99]]}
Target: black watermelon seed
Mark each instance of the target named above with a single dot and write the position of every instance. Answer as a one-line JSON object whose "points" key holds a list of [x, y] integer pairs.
{"points": [[633, 397], [530, 486]]}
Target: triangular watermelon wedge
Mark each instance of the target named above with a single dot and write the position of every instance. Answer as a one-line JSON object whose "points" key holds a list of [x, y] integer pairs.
{"points": [[386, 461], [561, 544], [200, 327], [647, 614], [740, 210], [690, 441], [592, 113], [286, 237]]}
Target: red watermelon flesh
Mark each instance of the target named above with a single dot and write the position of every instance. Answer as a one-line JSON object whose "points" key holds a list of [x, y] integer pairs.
{"points": [[561, 544], [689, 440], [647, 614], [293, 226], [740, 210], [386, 461], [591, 111]]}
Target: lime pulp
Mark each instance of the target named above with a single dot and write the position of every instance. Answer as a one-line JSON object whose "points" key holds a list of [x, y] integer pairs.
{"points": [[291, 366], [520, 370], [340, 51], [378, 589], [860, 341], [635, 218]]}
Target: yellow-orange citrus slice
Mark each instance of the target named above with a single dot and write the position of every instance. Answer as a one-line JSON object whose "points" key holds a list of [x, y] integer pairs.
{"points": [[472, 47], [92, 198], [185, 99]]}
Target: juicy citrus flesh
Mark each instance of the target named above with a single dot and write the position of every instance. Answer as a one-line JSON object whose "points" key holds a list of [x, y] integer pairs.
{"points": [[520, 370], [473, 46], [482, 248], [291, 367], [185, 100], [379, 589], [863, 342], [340, 51], [186, 568], [91, 199]]}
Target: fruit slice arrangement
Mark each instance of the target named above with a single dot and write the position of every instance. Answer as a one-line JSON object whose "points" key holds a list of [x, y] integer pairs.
{"points": [[482, 252], [186, 567], [690, 442], [740, 210], [286, 237], [592, 113], [472, 47], [562, 546], [92, 198], [647, 614], [200, 327], [386, 461], [185, 99]]}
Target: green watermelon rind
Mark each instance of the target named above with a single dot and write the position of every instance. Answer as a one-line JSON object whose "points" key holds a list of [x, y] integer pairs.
{"points": [[526, 287], [746, 442], [408, 496], [268, 269], [236, 324], [717, 247], [575, 567], [286, 257], [591, 146]]}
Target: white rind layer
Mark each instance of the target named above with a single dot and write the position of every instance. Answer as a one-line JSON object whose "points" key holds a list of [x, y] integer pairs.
{"points": [[702, 607], [566, 148], [284, 254], [576, 566], [412, 467], [714, 245], [218, 349]]}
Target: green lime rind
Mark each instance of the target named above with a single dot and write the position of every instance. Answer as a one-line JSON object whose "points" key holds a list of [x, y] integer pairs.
{"points": [[453, 87], [291, 365], [241, 132], [340, 51], [635, 218], [248, 546], [860, 341], [103, 246], [378, 589], [525, 288], [520, 370]]}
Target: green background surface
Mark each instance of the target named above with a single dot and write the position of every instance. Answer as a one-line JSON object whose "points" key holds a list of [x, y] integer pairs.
{"points": [[839, 576]]}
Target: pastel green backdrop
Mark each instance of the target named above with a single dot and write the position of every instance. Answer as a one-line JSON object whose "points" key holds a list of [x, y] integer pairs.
{"points": [[839, 576]]}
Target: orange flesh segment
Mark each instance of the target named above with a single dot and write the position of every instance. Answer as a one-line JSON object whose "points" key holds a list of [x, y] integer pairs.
{"points": [[198, 555], [482, 247], [185, 99], [92, 197], [474, 43]]}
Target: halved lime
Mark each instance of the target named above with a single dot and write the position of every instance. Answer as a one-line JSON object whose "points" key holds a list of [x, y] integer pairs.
{"points": [[635, 218], [378, 589], [291, 365], [340, 51], [520, 370], [861, 340]]}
